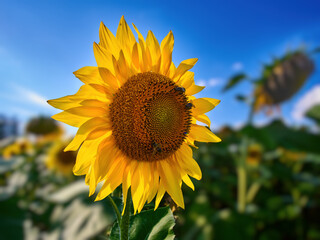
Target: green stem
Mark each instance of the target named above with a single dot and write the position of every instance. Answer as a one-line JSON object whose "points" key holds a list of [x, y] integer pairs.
{"points": [[242, 185], [124, 226], [253, 190], [115, 208]]}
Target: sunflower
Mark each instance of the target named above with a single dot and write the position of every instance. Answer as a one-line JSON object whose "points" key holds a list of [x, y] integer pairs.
{"points": [[20, 146], [137, 118], [254, 155], [282, 79], [60, 161]]}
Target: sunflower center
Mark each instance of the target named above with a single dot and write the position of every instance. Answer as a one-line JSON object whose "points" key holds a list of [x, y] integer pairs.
{"points": [[66, 158], [150, 117]]}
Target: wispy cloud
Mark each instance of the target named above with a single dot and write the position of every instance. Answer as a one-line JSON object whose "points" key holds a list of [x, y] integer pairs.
{"points": [[309, 100], [237, 66], [30, 96], [212, 82]]}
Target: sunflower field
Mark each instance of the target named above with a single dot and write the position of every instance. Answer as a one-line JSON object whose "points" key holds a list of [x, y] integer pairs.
{"points": [[147, 163]]}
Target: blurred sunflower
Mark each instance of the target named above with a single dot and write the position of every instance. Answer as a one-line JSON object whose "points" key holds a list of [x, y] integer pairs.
{"points": [[137, 118], [254, 155], [44, 128], [59, 160], [282, 79], [20, 146]]}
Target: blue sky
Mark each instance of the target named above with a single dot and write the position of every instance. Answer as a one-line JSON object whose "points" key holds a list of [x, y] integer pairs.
{"points": [[43, 42]]}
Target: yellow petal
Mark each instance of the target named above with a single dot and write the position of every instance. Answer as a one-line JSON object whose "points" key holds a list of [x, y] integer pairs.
{"points": [[125, 36], [94, 103], [194, 89], [64, 103], [70, 119], [145, 64], [109, 78], [89, 75], [108, 40], [186, 161], [188, 181], [135, 56], [153, 46], [126, 181], [186, 80], [86, 155], [160, 194], [171, 181], [88, 111], [113, 181], [137, 185], [84, 131], [166, 53], [107, 159], [203, 105], [202, 134], [183, 67], [98, 132], [204, 119], [103, 57]]}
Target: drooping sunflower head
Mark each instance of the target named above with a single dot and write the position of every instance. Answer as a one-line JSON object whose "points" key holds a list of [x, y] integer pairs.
{"points": [[60, 161], [137, 118], [282, 79]]}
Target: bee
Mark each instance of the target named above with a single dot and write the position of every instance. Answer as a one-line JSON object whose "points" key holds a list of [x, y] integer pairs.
{"points": [[189, 105], [180, 89], [156, 148]]}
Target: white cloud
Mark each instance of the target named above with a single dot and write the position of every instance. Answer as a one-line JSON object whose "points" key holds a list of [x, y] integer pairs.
{"points": [[212, 82], [237, 66], [30, 96], [202, 82], [310, 99]]}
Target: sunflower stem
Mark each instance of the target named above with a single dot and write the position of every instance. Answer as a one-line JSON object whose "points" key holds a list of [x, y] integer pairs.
{"points": [[115, 208], [125, 220]]}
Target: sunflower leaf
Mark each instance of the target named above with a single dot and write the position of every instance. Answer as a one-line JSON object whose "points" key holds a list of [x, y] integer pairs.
{"points": [[314, 113], [149, 225], [233, 81]]}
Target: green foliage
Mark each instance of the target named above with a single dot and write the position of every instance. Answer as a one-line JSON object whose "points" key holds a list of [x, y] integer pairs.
{"points": [[233, 81], [149, 225], [314, 113]]}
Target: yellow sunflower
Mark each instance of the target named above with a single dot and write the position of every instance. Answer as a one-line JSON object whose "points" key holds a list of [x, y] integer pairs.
{"points": [[137, 118], [21, 146], [59, 160]]}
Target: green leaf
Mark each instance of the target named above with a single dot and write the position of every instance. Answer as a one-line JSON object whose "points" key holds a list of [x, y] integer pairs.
{"points": [[314, 113], [234, 81], [241, 98], [148, 225], [316, 50]]}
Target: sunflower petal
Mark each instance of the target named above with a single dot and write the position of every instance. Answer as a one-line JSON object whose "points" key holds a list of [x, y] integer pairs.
{"points": [[184, 154], [88, 111], [171, 182], [166, 53], [84, 131], [155, 52], [70, 119], [194, 89], [203, 105], [188, 181], [202, 134], [183, 67], [108, 40], [204, 119]]}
